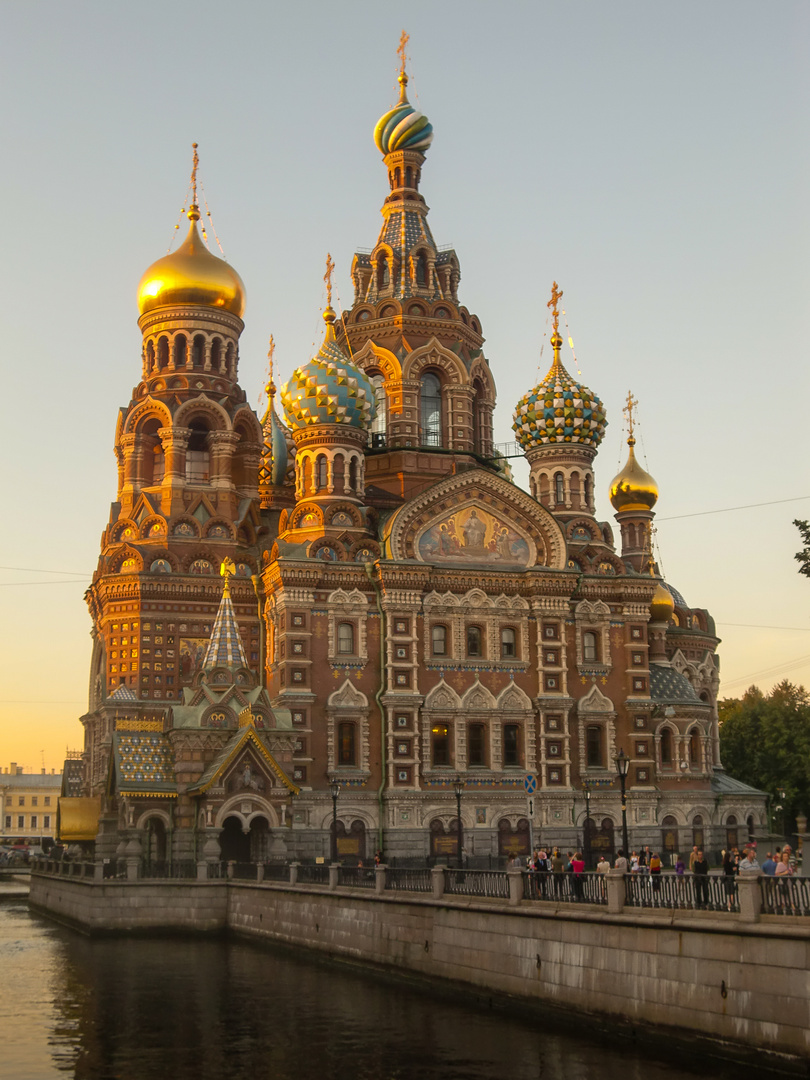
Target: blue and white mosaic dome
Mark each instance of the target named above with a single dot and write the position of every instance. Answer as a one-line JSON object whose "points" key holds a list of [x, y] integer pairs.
{"points": [[559, 410], [329, 389], [403, 127]]}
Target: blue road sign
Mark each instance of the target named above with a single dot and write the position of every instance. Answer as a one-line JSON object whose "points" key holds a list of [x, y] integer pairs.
{"points": [[530, 783]]}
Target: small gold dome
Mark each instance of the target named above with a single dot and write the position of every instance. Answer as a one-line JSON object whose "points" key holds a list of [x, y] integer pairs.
{"points": [[633, 488], [662, 605], [192, 275]]}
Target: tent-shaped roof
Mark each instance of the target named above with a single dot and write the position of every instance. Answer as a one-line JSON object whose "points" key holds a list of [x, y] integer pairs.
{"points": [[229, 752]]}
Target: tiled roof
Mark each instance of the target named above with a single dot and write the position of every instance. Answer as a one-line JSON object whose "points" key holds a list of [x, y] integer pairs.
{"points": [[144, 761], [73, 778], [670, 687], [723, 784], [123, 693], [225, 647]]}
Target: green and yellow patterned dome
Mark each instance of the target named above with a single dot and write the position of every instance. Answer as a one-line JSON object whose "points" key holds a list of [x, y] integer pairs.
{"points": [[329, 389], [559, 410], [403, 127]]}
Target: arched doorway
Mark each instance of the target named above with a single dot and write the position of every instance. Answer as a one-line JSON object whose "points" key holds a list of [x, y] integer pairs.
{"points": [[234, 842], [154, 843], [513, 841], [669, 835], [259, 838], [599, 839]]}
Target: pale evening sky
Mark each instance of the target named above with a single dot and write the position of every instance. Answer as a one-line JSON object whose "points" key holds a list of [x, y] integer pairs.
{"points": [[653, 159]]}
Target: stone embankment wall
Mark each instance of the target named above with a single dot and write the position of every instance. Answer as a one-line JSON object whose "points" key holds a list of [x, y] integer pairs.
{"points": [[742, 984]]}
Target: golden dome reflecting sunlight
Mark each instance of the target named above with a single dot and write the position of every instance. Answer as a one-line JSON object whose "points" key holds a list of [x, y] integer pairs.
{"points": [[633, 488]]}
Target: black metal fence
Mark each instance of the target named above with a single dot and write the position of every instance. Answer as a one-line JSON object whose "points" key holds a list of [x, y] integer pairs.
{"points": [[313, 873], [785, 895], [409, 878], [361, 877], [700, 892], [488, 883]]}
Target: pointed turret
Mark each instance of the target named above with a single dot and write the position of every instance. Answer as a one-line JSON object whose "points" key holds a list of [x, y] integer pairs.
{"points": [[225, 647], [633, 493]]}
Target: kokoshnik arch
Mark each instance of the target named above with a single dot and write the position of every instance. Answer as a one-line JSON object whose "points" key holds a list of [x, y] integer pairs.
{"points": [[396, 612]]}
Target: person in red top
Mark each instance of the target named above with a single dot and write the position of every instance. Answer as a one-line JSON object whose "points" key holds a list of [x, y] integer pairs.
{"points": [[578, 869]]}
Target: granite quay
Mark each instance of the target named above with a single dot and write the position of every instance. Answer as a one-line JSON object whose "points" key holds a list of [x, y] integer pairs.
{"points": [[738, 980]]}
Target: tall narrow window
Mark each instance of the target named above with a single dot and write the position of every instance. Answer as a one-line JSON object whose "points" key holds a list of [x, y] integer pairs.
{"points": [[439, 639], [421, 270], [666, 747], [346, 744], [440, 740], [198, 462], [345, 639], [379, 424], [474, 641], [511, 744], [593, 746], [559, 488], [320, 473], [694, 749], [385, 276], [431, 410], [476, 753], [353, 474], [589, 647], [508, 644]]}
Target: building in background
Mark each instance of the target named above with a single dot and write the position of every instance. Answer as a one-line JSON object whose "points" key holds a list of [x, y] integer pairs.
{"points": [[29, 803], [397, 616]]}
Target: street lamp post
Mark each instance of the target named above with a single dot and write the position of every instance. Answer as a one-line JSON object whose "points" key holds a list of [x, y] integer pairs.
{"points": [[622, 765], [586, 787], [335, 793], [458, 787]]}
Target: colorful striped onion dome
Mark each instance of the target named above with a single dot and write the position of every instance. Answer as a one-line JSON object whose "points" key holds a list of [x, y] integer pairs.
{"points": [[403, 128], [329, 389], [277, 465], [559, 410]]}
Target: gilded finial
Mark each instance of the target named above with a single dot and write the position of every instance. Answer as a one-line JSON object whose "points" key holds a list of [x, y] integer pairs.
{"points": [[271, 386], [327, 277], [628, 412], [227, 568], [404, 38], [194, 209], [554, 304]]}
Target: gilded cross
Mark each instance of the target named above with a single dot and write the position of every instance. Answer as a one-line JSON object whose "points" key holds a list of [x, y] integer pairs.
{"points": [[403, 41], [628, 412], [194, 166], [227, 568], [554, 304], [271, 389], [327, 277]]}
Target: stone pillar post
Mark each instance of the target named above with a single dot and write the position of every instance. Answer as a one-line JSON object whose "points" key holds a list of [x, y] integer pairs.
{"points": [[221, 447], [260, 872], [750, 897], [614, 880], [134, 851], [230, 869], [438, 879], [175, 443], [202, 870], [294, 873], [98, 870], [379, 879], [334, 875], [515, 878]]}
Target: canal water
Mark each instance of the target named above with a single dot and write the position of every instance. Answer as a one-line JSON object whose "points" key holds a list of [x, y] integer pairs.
{"points": [[215, 1009]]}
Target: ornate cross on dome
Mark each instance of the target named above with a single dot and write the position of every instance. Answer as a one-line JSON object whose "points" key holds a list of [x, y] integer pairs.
{"points": [[327, 277], [227, 568], [554, 304], [271, 386], [403, 41], [195, 161], [628, 412]]}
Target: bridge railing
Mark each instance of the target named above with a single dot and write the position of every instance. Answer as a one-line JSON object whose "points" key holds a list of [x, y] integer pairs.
{"points": [[586, 888], [409, 878], [785, 895], [489, 883]]}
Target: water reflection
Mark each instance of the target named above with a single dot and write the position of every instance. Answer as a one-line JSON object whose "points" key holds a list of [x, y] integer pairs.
{"points": [[222, 1010]]}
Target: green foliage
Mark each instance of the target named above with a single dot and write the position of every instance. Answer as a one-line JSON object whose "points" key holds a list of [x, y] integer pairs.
{"points": [[803, 557], [765, 742]]}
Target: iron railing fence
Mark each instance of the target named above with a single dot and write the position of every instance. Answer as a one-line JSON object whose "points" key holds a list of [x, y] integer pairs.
{"points": [[785, 895], [493, 884], [409, 878], [360, 877], [700, 892], [276, 871], [177, 869], [313, 873], [586, 888]]}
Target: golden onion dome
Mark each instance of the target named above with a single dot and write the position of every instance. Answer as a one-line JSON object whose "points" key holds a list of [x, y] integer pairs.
{"points": [[192, 275], [662, 605], [633, 488]]}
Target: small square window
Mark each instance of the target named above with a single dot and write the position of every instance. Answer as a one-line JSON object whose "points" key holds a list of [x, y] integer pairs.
{"points": [[641, 749], [638, 658], [403, 776], [552, 657], [636, 633], [638, 684], [298, 620], [550, 630], [403, 749], [298, 646], [300, 772], [554, 776], [402, 626], [640, 723], [298, 676], [553, 723], [402, 652], [554, 749], [402, 721], [297, 717], [642, 775], [402, 678]]}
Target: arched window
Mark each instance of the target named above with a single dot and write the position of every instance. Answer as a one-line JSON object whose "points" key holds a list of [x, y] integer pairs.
{"points": [[320, 472], [666, 747], [198, 351], [593, 746], [588, 492], [440, 744], [346, 744], [431, 409], [508, 643], [180, 350], [476, 746], [216, 354], [590, 649], [421, 270], [163, 353], [439, 640], [198, 459], [353, 474], [559, 488], [732, 839], [379, 425], [694, 749], [385, 275], [345, 639], [474, 641], [669, 835]]}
